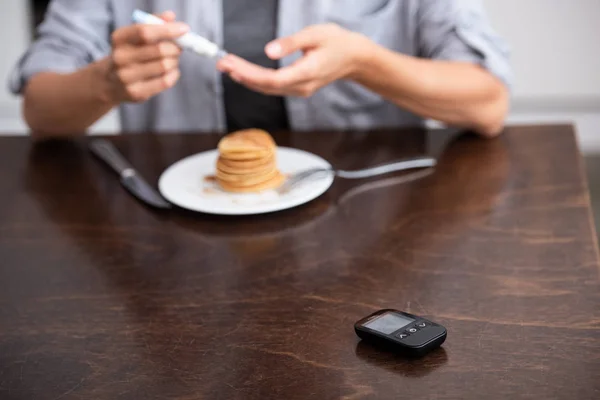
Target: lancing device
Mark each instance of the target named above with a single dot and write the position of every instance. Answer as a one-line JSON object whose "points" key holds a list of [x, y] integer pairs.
{"points": [[190, 41]]}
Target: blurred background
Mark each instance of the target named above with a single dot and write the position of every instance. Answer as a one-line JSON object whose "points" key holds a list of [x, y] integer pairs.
{"points": [[555, 55]]}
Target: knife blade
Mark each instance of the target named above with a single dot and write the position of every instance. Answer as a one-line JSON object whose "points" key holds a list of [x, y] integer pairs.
{"points": [[130, 178]]}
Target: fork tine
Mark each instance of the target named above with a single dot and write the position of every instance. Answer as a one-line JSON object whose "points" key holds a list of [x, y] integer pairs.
{"points": [[299, 177]]}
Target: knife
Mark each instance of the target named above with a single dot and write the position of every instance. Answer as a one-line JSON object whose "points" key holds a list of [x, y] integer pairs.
{"points": [[130, 178]]}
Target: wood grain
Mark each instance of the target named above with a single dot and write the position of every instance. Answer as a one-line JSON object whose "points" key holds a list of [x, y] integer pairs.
{"points": [[103, 298]]}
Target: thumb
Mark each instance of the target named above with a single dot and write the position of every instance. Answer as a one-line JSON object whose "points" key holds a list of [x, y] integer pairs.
{"points": [[305, 39]]}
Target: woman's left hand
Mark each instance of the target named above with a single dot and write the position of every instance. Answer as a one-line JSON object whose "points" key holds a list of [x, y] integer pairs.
{"points": [[330, 53]]}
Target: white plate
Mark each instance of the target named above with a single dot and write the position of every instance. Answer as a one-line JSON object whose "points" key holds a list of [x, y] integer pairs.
{"points": [[185, 184]]}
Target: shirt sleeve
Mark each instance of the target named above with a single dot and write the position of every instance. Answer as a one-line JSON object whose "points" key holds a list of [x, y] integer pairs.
{"points": [[74, 33], [459, 30]]}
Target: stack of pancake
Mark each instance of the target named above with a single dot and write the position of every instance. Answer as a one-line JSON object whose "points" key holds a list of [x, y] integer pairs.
{"points": [[247, 162]]}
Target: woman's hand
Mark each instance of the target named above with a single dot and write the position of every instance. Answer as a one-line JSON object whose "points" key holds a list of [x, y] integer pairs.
{"points": [[456, 93], [144, 60], [330, 53]]}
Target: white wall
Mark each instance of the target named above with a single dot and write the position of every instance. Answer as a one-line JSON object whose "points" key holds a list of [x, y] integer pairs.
{"points": [[556, 58], [555, 46], [15, 35]]}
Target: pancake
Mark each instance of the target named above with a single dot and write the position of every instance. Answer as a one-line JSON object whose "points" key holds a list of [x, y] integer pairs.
{"points": [[247, 180], [273, 183], [247, 162], [250, 163], [261, 169], [249, 141], [248, 155]]}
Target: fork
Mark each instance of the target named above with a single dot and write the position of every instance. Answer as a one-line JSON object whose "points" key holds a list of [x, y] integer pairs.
{"points": [[302, 176]]}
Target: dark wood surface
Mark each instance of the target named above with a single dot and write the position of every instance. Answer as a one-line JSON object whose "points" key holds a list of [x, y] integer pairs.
{"points": [[103, 298]]}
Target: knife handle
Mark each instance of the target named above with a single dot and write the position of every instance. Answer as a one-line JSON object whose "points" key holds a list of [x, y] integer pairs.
{"points": [[108, 153]]}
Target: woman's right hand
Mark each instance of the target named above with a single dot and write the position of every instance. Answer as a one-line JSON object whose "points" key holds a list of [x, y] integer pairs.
{"points": [[144, 60]]}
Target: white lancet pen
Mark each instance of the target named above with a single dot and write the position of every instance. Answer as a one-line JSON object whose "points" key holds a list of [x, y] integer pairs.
{"points": [[190, 41]]}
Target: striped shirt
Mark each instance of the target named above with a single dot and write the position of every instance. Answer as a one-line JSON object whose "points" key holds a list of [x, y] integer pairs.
{"points": [[77, 32]]}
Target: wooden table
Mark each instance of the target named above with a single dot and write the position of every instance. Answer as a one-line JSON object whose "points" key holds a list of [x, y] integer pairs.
{"points": [[103, 298]]}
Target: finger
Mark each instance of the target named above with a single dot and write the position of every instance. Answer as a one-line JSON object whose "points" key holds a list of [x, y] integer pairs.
{"points": [[142, 91], [293, 89], [224, 65], [265, 91], [126, 55], [266, 78], [308, 69], [303, 90], [247, 71], [142, 72], [259, 89], [148, 33], [307, 38], [168, 16]]}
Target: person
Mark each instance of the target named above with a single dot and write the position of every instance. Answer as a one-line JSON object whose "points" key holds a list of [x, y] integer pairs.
{"points": [[292, 64]]}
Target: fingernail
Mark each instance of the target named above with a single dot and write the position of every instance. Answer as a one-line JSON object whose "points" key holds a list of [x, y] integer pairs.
{"points": [[274, 49], [172, 78]]}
